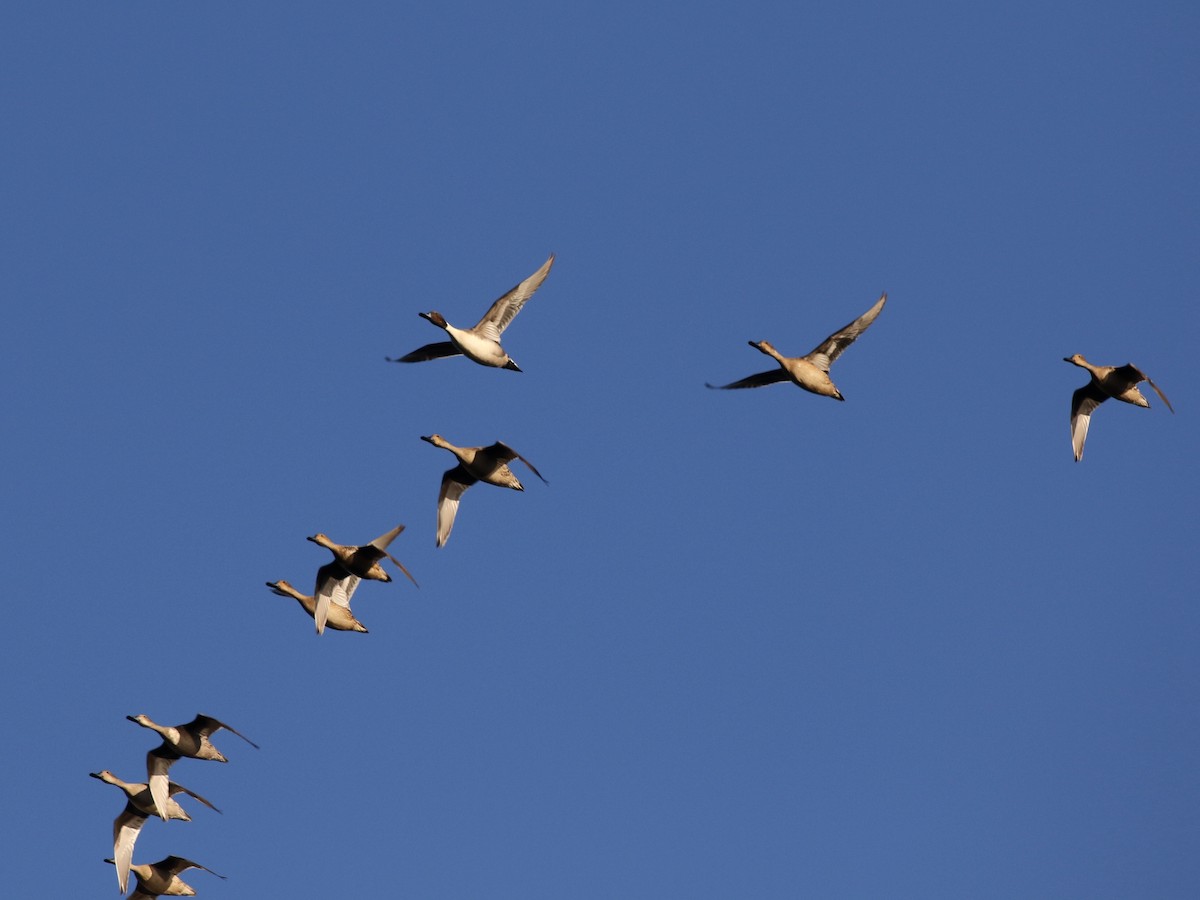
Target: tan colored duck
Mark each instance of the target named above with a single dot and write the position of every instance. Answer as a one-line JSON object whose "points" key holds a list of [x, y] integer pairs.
{"points": [[332, 578], [139, 805], [339, 617], [161, 879], [811, 371], [488, 464], [190, 740], [481, 343], [1118, 382]]}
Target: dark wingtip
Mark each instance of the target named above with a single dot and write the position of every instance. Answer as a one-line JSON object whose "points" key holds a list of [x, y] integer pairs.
{"points": [[512, 365]]}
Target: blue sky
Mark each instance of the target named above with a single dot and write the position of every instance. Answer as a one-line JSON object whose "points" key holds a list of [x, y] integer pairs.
{"points": [[744, 644]]}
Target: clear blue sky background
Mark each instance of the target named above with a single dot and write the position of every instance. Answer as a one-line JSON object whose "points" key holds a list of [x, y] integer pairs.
{"points": [[752, 644]]}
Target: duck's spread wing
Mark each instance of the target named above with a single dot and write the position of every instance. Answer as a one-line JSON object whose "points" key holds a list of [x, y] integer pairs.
{"points": [[505, 309], [1161, 394], [1083, 401], [333, 581], [158, 763], [454, 482], [439, 350], [505, 453], [400, 566], [207, 725], [177, 864], [1139, 375], [1129, 374], [371, 553], [343, 590], [381, 543], [752, 381], [834, 345], [125, 834], [180, 789]]}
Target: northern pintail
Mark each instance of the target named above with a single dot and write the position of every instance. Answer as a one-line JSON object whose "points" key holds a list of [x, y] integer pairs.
{"points": [[488, 464], [339, 616], [332, 578], [481, 343], [139, 805], [162, 878], [811, 371], [190, 740], [1118, 382]]}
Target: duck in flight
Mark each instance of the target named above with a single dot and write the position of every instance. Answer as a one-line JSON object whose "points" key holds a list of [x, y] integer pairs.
{"points": [[481, 343], [162, 878], [811, 371], [489, 464], [334, 579], [1118, 382], [339, 616], [190, 740], [139, 806]]}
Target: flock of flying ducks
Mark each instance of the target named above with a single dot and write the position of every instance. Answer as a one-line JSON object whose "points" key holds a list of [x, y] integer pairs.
{"points": [[156, 797], [337, 580]]}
